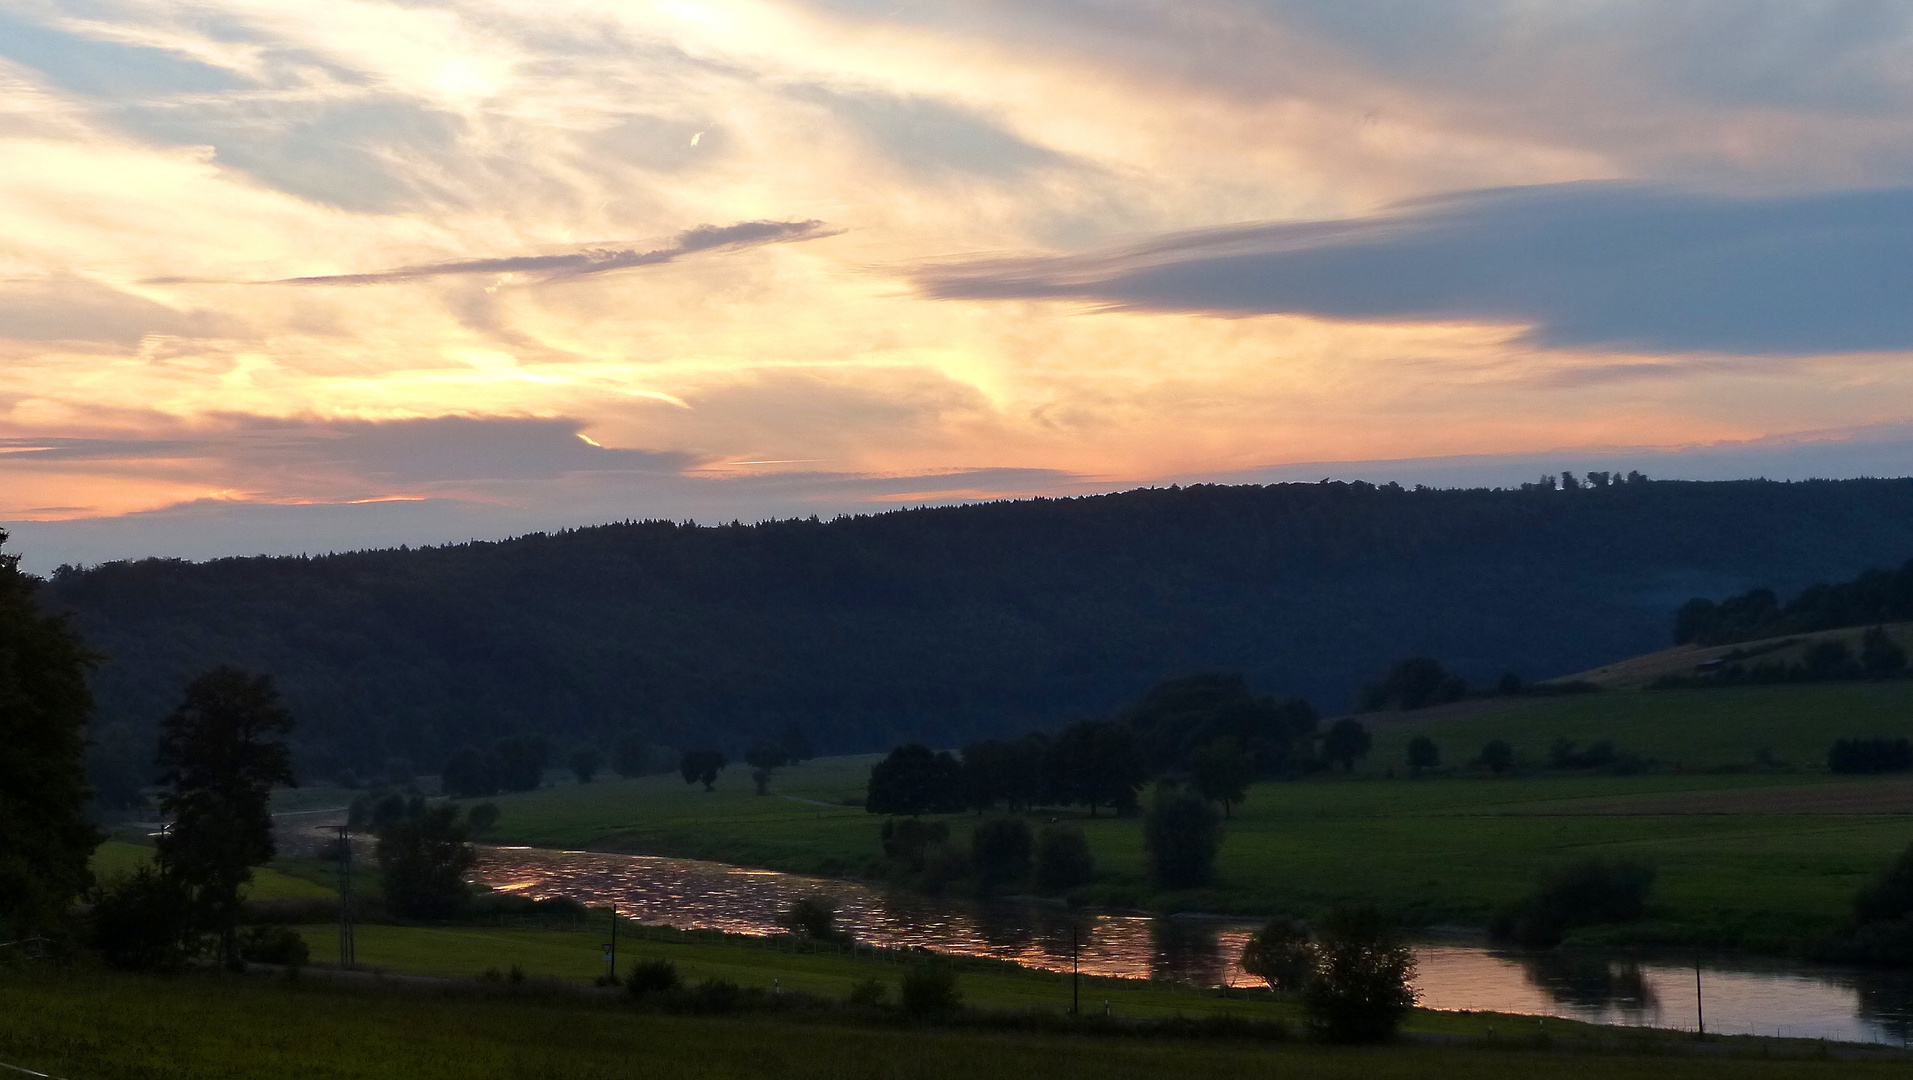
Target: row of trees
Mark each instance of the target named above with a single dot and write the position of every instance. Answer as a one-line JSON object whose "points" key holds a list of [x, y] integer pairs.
{"points": [[1206, 732], [1875, 596]]}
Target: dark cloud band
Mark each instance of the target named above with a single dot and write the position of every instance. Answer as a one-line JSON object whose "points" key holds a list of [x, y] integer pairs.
{"points": [[1592, 264]]}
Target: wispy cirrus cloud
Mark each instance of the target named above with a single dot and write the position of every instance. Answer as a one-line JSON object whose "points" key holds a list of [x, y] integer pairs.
{"points": [[574, 264]]}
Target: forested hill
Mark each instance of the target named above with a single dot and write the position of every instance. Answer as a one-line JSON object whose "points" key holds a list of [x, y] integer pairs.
{"points": [[944, 624]]}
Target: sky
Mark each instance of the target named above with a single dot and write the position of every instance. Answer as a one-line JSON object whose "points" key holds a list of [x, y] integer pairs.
{"points": [[284, 276]]}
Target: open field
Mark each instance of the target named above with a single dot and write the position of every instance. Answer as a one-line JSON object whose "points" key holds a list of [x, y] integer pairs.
{"points": [[1637, 672], [207, 1025], [119, 857], [1711, 728]]}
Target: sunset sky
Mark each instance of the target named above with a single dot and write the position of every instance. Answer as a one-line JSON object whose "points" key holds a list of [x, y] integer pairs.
{"points": [[279, 275]]}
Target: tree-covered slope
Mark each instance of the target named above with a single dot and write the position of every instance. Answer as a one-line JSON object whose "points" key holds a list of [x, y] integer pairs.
{"points": [[944, 624]]}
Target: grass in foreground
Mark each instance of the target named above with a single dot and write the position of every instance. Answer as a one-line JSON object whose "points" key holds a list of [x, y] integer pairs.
{"points": [[133, 1028]]}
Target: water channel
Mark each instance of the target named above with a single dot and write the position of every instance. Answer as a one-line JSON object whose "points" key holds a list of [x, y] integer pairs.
{"points": [[1739, 995]]}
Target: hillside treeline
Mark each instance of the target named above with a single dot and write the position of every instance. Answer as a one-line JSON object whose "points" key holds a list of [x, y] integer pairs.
{"points": [[949, 625], [1875, 596]]}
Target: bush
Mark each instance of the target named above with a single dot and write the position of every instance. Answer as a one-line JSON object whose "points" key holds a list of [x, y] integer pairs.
{"points": [[1000, 852], [143, 922], [1497, 756], [1878, 754], [1889, 896], [1359, 992], [869, 993], [813, 917], [422, 864], [1063, 860], [907, 840], [1283, 955], [1182, 834], [651, 977], [930, 989], [280, 945], [1585, 893], [483, 818]]}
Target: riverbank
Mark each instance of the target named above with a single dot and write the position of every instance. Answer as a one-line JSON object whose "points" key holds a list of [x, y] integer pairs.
{"points": [[1746, 860]]}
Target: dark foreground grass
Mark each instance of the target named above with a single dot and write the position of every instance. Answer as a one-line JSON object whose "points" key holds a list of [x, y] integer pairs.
{"points": [[214, 1026]]}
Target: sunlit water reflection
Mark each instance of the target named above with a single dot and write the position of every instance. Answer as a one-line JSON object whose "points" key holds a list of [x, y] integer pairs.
{"points": [[1739, 997]]}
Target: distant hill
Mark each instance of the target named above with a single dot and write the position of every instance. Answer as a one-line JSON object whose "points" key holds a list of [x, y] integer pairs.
{"points": [[946, 624]]}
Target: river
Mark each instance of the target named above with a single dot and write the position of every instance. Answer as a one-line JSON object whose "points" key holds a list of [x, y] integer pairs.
{"points": [[1738, 995]]}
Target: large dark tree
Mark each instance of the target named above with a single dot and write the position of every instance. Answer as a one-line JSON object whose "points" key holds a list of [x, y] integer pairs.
{"points": [[422, 864], [1178, 719], [223, 748], [765, 757], [471, 773], [915, 780], [1346, 740], [1096, 763], [45, 840], [702, 767], [1181, 836], [1222, 770], [521, 762]]}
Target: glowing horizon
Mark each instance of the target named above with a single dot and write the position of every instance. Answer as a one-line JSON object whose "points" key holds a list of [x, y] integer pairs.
{"points": [[741, 257]]}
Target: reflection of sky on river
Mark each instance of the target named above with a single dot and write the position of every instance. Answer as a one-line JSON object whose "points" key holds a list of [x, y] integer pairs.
{"points": [[1747, 998]]}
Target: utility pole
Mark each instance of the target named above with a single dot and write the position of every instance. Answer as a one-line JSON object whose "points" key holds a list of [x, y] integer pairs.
{"points": [[614, 942], [348, 951], [1700, 1017], [1075, 976]]}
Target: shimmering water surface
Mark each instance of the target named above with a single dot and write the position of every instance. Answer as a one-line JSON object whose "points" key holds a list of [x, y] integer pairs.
{"points": [[1738, 996]]}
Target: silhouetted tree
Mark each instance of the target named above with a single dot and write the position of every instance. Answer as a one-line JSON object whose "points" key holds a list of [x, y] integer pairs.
{"points": [[1586, 893], [118, 766], [470, 773], [915, 780], [1360, 992], [1096, 763], [143, 920], [45, 838], [1283, 955], [482, 818], [422, 864], [1889, 896], [908, 841], [1181, 835], [1880, 655], [1178, 718], [1063, 859], [223, 748], [796, 744], [585, 763], [1414, 683], [765, 757], [1000, 852], [1878, 754], [1423, 754], [521, 762], [702, 767], [1221, 771], [813, 917], [631, 755], [1346, 740], [1497, 756]]}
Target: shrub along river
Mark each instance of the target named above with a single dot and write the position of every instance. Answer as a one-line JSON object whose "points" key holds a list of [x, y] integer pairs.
{"points": [[1738, 995]]}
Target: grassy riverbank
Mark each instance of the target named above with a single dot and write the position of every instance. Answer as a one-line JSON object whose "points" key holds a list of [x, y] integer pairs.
{"points": [[205, 1025]]}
